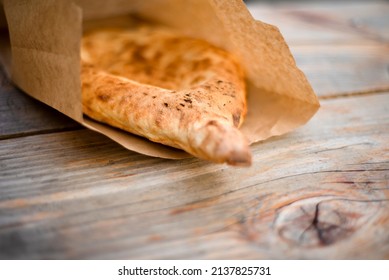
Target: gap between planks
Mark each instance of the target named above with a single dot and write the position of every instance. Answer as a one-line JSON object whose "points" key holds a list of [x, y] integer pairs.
{"points": [[383, 90], [40, 132]]}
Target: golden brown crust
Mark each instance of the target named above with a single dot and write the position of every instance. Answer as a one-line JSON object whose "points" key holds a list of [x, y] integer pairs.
{"points": [[173, 90]]}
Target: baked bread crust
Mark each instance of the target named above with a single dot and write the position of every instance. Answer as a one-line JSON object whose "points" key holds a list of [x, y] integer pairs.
{"points": [[174, 90]]}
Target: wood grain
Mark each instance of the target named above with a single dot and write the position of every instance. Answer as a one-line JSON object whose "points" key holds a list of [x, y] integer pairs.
{"points": [[342, 46], [320, 192], [337, 70], [22, 115], [326, 22]]}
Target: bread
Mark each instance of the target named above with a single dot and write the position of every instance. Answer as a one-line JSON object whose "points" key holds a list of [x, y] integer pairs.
{"points": [[171, 89]]}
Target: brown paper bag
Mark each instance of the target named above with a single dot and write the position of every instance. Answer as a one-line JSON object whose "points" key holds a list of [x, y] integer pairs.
{"points": [[45, 46]]}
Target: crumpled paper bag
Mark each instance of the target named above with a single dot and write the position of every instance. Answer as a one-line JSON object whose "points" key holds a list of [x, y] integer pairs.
{"points": [[43, 54]]}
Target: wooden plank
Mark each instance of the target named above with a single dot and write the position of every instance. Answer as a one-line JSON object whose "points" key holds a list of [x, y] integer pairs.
{"points": [[326, 22], [335, 70], [319, 192], [340, 52], [22, 115]]}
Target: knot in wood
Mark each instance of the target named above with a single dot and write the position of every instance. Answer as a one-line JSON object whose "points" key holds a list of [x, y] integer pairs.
{"points": [[317, 222]]}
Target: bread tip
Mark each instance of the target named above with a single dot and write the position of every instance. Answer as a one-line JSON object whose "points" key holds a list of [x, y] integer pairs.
{"points": [[240, 159]]}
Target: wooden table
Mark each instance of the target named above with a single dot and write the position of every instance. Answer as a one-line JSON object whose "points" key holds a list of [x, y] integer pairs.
{"points": [[319, 192]]}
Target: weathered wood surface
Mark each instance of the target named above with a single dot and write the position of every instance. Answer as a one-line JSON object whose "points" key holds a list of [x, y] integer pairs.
{"points": [[342, 46], [21, 115], [319, 192], [334, 70], [326, 22]]}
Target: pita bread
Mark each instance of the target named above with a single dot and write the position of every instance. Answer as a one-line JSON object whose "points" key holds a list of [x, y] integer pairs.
{"points": [[174, 90]]}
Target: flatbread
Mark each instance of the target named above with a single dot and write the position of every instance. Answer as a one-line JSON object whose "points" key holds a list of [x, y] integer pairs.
{"points": [[171, 89]]}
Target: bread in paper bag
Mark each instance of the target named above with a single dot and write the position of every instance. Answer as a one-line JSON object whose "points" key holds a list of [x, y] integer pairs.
{"points": [[171, 89]]}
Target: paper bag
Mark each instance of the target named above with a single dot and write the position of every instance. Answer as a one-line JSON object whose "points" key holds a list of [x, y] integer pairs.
{"points": [[45, 47]]}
